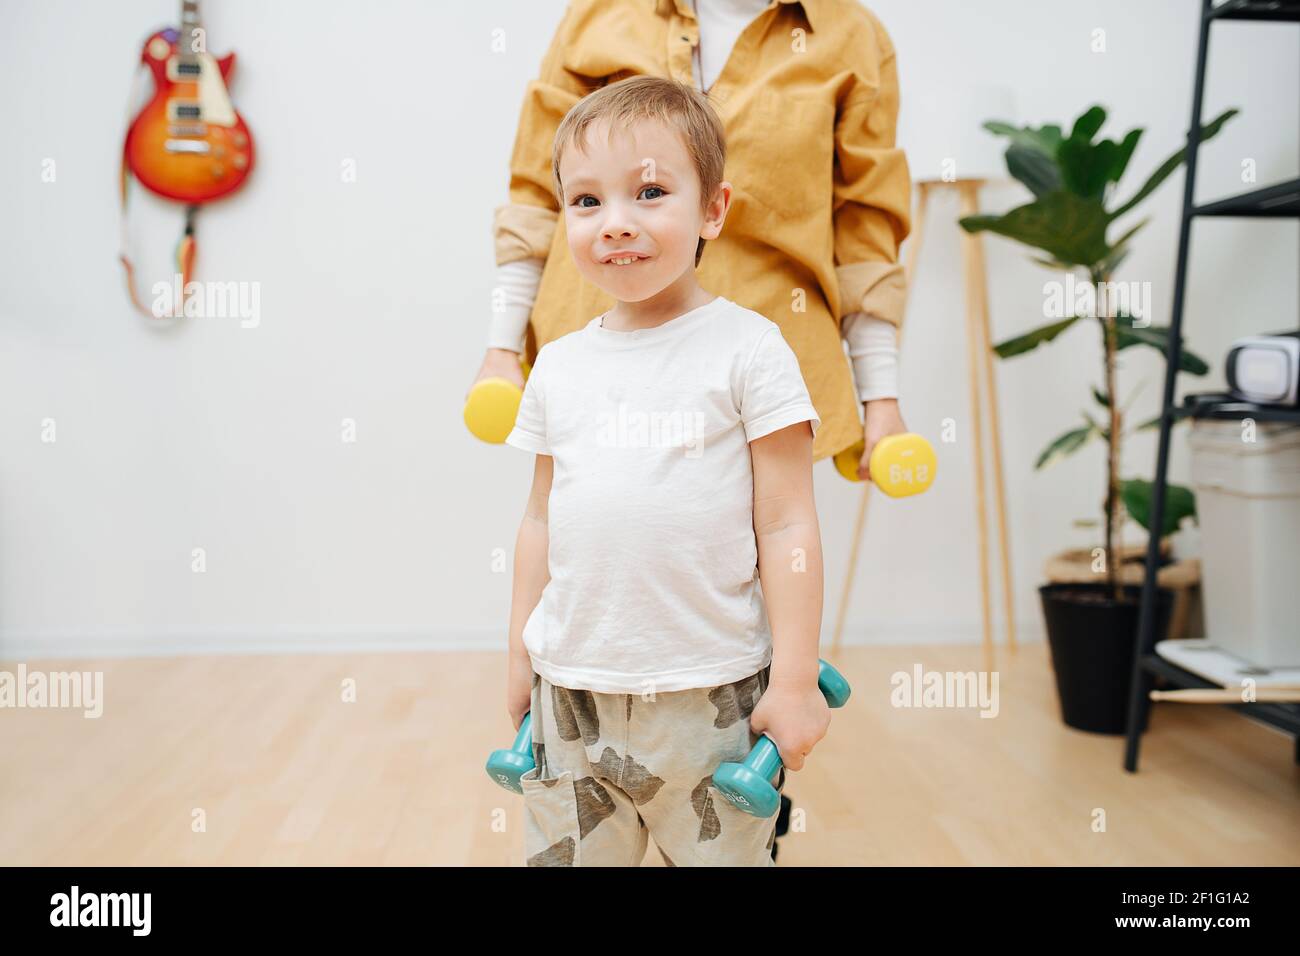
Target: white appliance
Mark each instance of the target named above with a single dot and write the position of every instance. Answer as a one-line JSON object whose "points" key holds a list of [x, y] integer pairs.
{"points": [[1246, 476], [1265, 369]]}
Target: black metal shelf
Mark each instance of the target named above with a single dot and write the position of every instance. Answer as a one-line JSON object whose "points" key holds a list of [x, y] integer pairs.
{"points": [[1285, 717], [1277, 11], [1278, 201], [1221, 405], [1282, 199]]}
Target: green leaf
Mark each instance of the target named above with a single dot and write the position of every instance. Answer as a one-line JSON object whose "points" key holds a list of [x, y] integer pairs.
{"points": [[1097, 427], [1086, 126], [1071, 229], [1031, 340], [1113, 260], [1124, 239], [1088, 168], [1153, 423], [1066, 444], [1156, 337], [1085, 166], [1119, 250], [1034, 168], [1165, 169], [1180, 502], [1045, 139], [1101, 398], [1124, 154]]}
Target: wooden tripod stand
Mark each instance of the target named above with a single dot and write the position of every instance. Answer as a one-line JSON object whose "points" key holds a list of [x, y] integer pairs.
{"points": [[977, 336]]}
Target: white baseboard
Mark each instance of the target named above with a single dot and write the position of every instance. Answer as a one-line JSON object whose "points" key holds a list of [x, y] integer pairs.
{"points": [[112, 644]]}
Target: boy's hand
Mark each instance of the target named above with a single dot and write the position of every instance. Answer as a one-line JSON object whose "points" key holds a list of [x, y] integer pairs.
{"points": [[881, 419], [795, 716], [519, 687]]}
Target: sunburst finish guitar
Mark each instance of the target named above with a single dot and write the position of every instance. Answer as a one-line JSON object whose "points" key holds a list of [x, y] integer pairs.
{"points": [[188, 143]]}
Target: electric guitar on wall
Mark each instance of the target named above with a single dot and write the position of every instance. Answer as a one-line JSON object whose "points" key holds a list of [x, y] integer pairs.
{"points": [[188, 143]]}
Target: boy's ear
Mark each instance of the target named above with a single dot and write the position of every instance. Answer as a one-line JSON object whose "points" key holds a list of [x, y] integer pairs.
{"points": [[716, 212]]}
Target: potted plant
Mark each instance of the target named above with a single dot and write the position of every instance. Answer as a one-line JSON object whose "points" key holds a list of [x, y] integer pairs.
{"points": [[1091, 624]]}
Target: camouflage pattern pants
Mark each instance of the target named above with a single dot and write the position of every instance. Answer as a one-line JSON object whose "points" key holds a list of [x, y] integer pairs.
{"points": [[615, 769]]}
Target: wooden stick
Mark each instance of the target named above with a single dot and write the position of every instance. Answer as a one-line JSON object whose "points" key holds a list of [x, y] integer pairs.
{"points": [[852, 568], [909, 270], [1213, 695], [981, 297], [971, 263]]}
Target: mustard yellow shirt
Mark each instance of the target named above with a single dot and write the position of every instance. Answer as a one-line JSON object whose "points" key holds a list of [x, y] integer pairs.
{"points": [[821, 195]]}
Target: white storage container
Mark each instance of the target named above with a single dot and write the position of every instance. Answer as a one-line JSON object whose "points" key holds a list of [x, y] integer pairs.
{"points": [[1248, 509]]}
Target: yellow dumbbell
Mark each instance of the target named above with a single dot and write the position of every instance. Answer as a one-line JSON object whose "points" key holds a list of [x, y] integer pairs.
{"points": [[492, 406], [901, 465]]}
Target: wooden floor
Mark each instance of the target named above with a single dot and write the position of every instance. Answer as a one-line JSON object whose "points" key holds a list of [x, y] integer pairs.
{"points": [[286, 772]]}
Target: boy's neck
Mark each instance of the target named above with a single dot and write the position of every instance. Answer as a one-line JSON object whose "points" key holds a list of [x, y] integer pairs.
{"points": [[673, 300]]}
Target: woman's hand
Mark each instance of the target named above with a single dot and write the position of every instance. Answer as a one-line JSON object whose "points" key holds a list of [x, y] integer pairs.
{"points": [[795, 716], [881, 420], [499, 363], [519, 687]]}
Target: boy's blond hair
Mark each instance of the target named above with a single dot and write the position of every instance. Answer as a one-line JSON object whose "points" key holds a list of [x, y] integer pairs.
{"points": [[677, 105]]}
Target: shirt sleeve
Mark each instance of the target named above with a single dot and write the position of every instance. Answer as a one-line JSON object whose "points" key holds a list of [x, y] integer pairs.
{"points": [[872, 189], [523, 227], [774, 394], [514, 292], [529, 433], [873, 351]]}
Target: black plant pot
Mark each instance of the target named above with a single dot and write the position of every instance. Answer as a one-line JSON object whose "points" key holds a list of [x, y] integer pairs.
{"points": [[1092, 639]]}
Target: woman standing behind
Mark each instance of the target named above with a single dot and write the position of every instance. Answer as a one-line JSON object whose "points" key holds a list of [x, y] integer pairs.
{"points": [[808, 94]]}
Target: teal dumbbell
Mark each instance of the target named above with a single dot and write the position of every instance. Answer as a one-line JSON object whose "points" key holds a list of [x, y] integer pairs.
{"points": [[748, 785], [507, 766]]}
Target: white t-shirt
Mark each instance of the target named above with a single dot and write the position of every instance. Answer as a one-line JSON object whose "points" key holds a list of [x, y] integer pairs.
{"points": [[652, 554]]}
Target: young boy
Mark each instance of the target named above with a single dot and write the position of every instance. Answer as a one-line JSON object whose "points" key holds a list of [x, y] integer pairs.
{"points": [[673, 476]]}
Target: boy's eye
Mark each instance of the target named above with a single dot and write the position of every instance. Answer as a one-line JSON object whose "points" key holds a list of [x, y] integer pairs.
{"points": [[581, 202]]}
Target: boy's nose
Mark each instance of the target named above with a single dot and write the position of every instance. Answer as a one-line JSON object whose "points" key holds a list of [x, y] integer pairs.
{"points": [[623, 231]]}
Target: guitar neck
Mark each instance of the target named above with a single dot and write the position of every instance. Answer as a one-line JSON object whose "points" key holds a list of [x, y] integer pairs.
{"points": [[192, 41]]}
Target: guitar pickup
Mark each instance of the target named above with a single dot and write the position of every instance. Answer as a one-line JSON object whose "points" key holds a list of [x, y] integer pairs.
{"points": [[183, 110], [198, 129], [200, 146]]}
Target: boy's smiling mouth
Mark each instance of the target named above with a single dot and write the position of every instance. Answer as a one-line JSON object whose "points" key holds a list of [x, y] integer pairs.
{"points": [[622, 258]]}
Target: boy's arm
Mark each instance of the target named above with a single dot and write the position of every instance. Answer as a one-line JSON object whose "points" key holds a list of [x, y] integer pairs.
{"points": [[532, 571], [789, 551]]}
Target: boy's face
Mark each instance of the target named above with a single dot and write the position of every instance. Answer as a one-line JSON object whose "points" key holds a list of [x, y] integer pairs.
{"points": [[639, 195]]}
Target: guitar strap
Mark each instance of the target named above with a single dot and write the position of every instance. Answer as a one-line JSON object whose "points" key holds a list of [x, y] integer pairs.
{"points": [[186, 248]]}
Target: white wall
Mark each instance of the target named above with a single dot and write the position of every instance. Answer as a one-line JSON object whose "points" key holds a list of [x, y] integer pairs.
{"points": [[374, 303]]}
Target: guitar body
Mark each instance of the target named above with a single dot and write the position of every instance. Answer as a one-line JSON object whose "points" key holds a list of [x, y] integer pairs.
{"points": [[188, 143]]}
